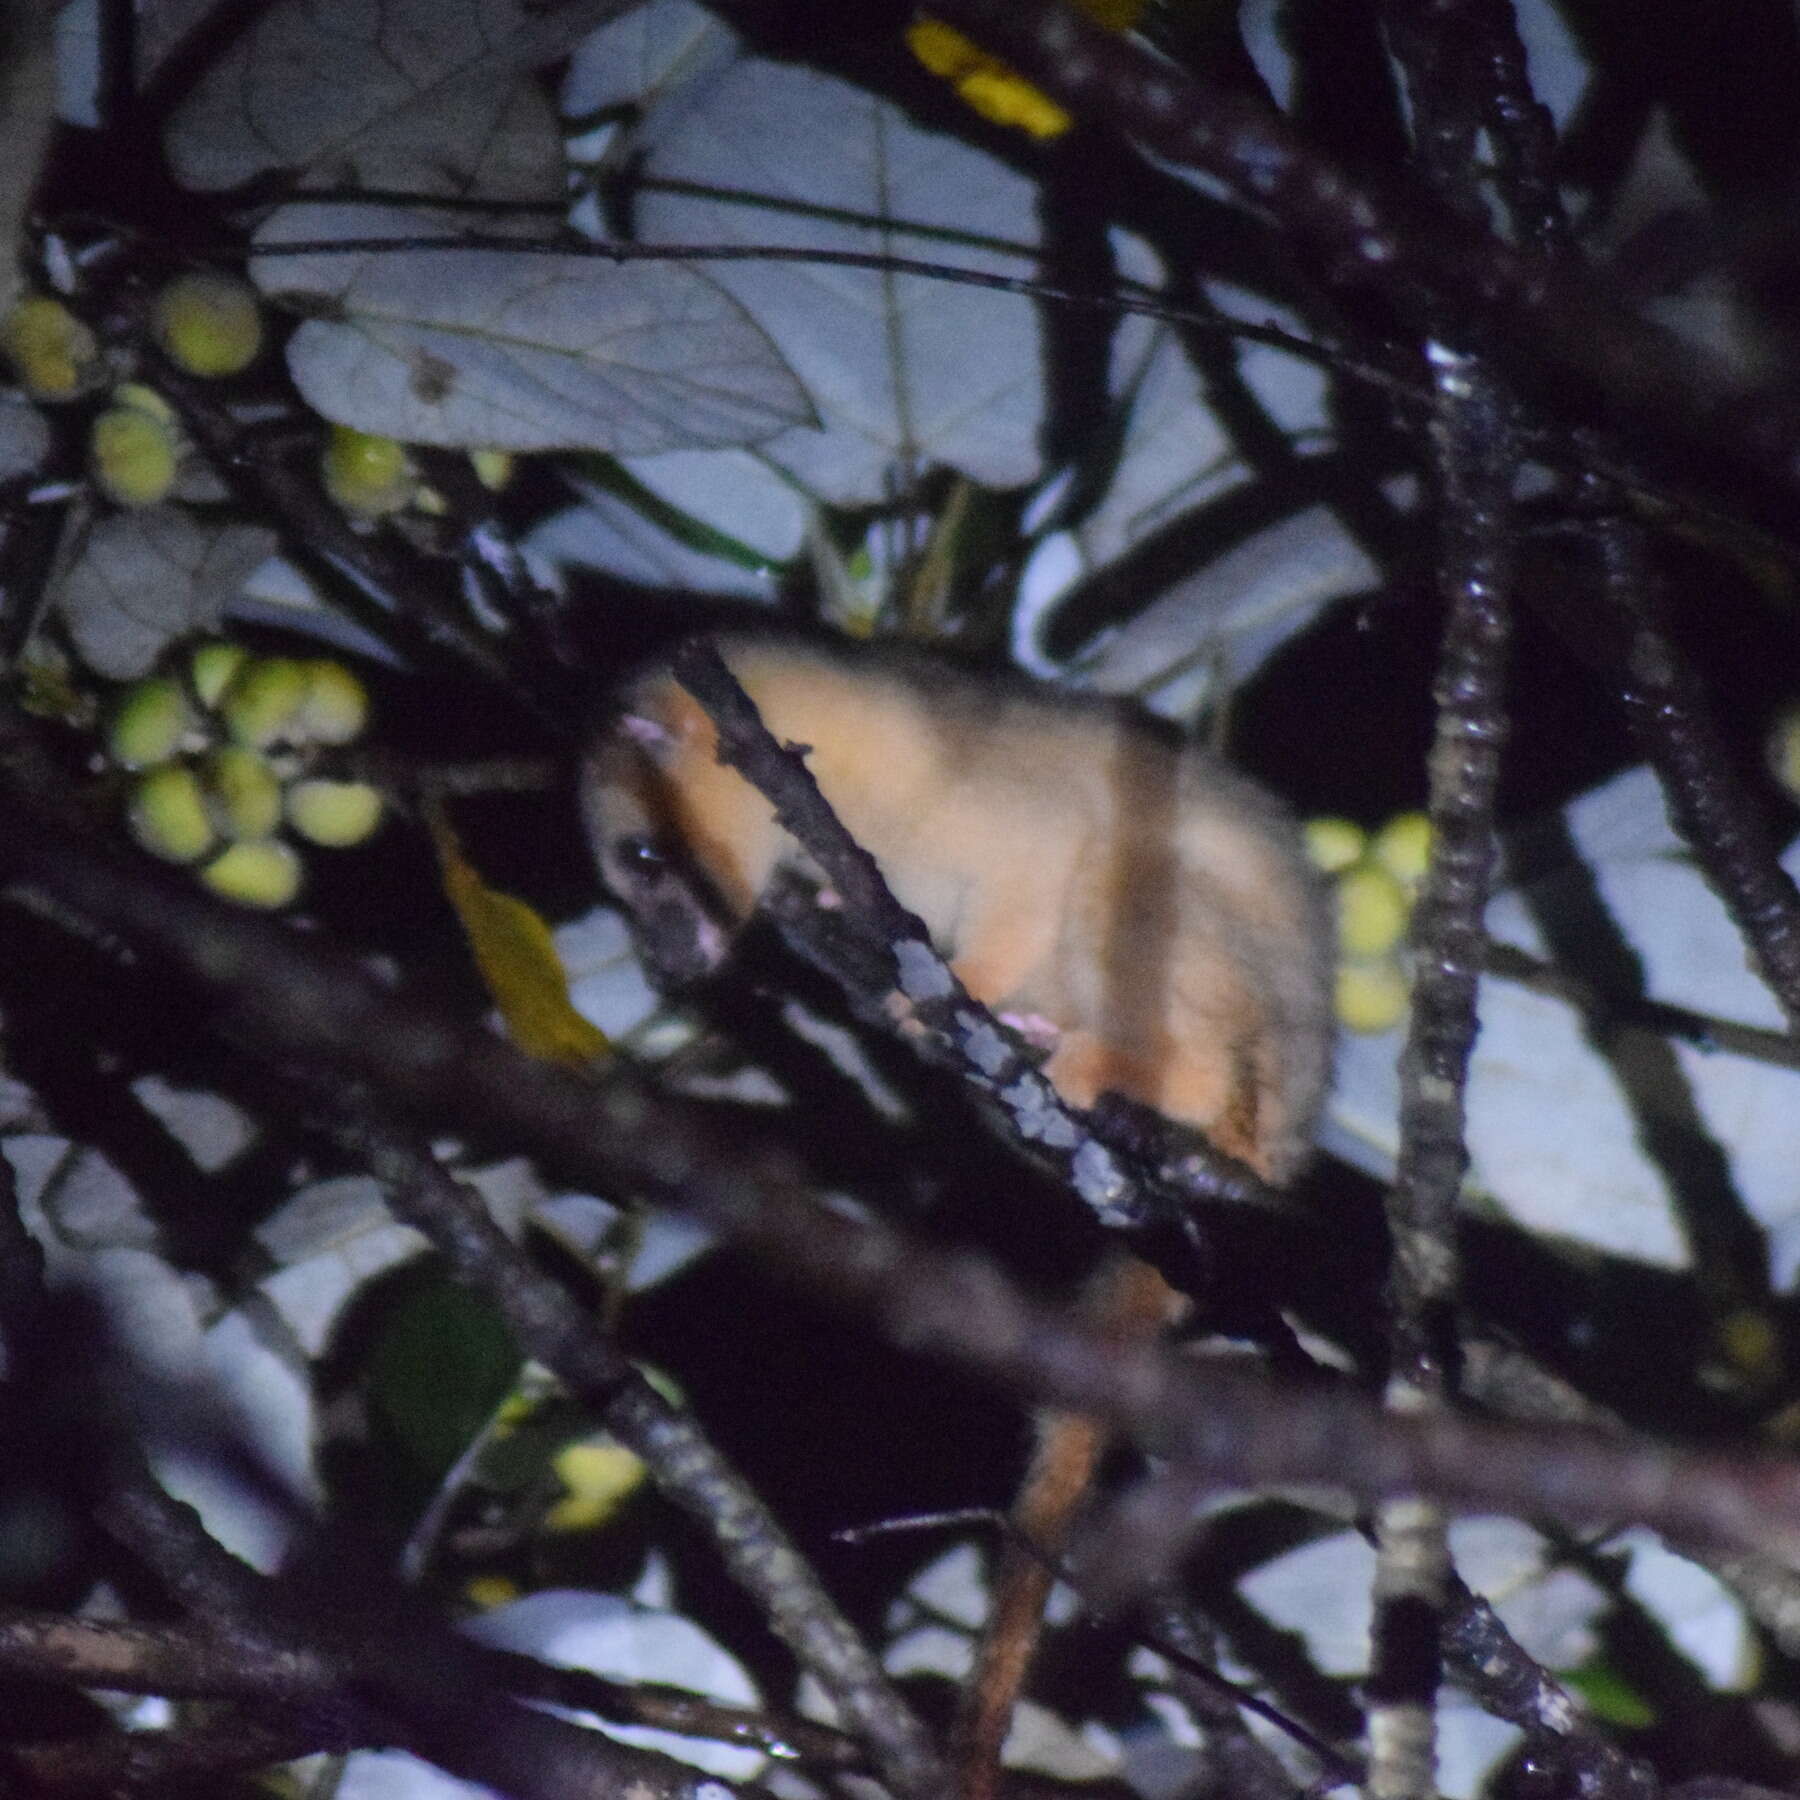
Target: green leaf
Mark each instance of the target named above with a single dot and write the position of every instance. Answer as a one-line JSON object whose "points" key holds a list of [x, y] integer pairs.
{"points": [[1609, 1695], [441, 1365]]}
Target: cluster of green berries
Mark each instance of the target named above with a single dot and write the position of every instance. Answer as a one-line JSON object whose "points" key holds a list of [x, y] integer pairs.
{"points": [[220, 754], [208, 324], [1375, 879]]}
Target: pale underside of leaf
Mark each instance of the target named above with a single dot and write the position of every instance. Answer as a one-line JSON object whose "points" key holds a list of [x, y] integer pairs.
{"points": [[1215, 627], [660, 55], [902, 369], [418, 95], [143, 579], [519, 351], [612, 1638], [1175, 455], [1555, 1138]]}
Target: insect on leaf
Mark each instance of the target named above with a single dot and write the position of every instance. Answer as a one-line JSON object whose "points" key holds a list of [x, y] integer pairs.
{"points": [[511, 350]]}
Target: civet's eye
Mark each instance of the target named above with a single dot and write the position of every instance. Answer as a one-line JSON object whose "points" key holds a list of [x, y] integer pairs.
{"points": [[639, 855]]}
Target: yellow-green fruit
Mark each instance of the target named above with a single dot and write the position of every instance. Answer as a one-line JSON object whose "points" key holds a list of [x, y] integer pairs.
{"points": [[1332, 845], [212, 668], [1371, 910], [485, 1592], [243, 792], [1370, 996], [140, 398], [1403, 847], [1782, 748], [335, 814], [262, 705], [336, 707], [208, 324], [55, 356], [263, 873], [150, 723], [167, 814], [599, 1478], [134, 456], [1750, 1342], [493, 468], [364, 473]]}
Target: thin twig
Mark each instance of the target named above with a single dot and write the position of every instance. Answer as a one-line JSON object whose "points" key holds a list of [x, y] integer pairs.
{"points": [[1612, 1013], [549, 1326], [1473, 454], [385, 1689], [1476, 470], [160, 1762], [298, 1000], [1431, 269], [941, 1009], [1709, 803]]}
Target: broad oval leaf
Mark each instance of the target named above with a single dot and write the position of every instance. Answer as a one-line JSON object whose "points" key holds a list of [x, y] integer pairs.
{"points": [[718, 521], [143, 579], [511, 350], [1557, 1116], [902, 369], [613, 1638], [1212, 629], [424, 96]]}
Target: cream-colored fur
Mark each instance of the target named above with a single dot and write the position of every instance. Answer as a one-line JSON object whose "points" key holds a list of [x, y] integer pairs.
{"points": [[1134, 903]]}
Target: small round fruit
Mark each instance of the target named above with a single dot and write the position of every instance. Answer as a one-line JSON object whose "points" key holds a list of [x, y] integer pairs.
{"points": [[150, 723], [486, 1592], [366, 474], [1403, 847], [335, 814], [262, 705], [493, 468], [242, 792], [145, 399], [208, 323], [599, 1479], [167, 815], [213, 667], [263, 873], [55, 356], [1371, 996], [336, 707], [1781, 748], [1372, 910], [1332, 845], [134, 456]]}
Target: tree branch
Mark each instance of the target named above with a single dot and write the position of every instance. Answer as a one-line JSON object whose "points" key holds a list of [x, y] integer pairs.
{"points": [[297, 999]]}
